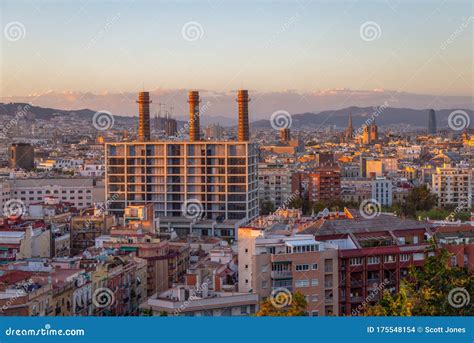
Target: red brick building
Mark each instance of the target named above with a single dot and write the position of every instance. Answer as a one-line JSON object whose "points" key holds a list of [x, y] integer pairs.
{"points": [[324, 184]]}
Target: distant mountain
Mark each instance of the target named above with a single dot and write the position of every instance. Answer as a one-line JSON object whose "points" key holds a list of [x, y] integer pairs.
{"points": [[40, 112], [383, 117]]}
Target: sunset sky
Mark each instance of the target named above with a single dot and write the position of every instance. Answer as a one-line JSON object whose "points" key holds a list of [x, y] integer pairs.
{"points": [[267, 46]]}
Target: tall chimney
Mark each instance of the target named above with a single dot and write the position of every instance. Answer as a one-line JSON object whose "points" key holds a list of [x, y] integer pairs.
{"points": [[143, 116], [194, 126], [243, 129]]}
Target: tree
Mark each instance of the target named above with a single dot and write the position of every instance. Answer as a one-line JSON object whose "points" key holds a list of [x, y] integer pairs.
{"points": [[295, 305], [266, 207], [419, 199], [437, 289]]}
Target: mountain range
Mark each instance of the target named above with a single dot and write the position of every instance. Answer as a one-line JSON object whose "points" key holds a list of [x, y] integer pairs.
{"points": [[388, 116]]}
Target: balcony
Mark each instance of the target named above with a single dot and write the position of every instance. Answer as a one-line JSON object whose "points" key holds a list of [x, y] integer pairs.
{"points": [[328, 269], [328, 284], [284, 274], [356, 299], [372, 281], [356, 283], [328, 300]]}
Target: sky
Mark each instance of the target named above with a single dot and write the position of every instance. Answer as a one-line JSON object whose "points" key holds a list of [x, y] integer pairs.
{"points": [[80, 49]]}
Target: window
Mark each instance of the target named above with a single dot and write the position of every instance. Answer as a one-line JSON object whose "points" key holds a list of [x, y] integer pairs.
{"points": [[264, 284], [302, 283], [355, 261], [389, 258], [315, 313], [373, 260], [264, 268], [314, 298], [419, 256], [314, 266], [314, 282], [302, 267], [404, 257]]}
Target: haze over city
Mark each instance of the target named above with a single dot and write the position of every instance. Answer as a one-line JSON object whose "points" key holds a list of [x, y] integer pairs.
{"points": [[302, 56]]}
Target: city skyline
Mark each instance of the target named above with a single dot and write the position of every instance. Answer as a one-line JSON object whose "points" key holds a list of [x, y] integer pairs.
{"points": [[236, 159]]}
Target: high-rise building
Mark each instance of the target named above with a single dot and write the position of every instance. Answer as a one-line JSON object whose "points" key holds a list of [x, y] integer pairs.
{"points": [[215, 180], [432, 122], [22, 156]]}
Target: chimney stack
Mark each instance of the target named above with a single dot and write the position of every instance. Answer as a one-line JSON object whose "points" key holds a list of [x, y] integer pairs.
{"points": [[194, 126], [243, 129], [143, 116]]}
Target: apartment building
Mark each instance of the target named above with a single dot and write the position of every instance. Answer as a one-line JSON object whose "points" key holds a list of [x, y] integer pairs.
{"points": [[190, 181], [374, 254], [200, 301], [382, 191], [21, 239], [452, 185], [324, 184], [80, 192], [216, 179], [274, 183], [273, 258], [86, 228]]}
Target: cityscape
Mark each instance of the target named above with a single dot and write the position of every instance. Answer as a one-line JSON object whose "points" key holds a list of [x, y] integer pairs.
{"points": [[171, 200]]}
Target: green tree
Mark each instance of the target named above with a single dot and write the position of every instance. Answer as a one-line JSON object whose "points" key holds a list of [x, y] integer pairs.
{"points": [[266, 207], [419, 199], [437, 289]]}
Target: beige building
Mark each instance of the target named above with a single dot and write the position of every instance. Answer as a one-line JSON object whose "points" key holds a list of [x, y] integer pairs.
{"points": [[80, 192], [200, 301], [452, 185], [271, 260]]}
